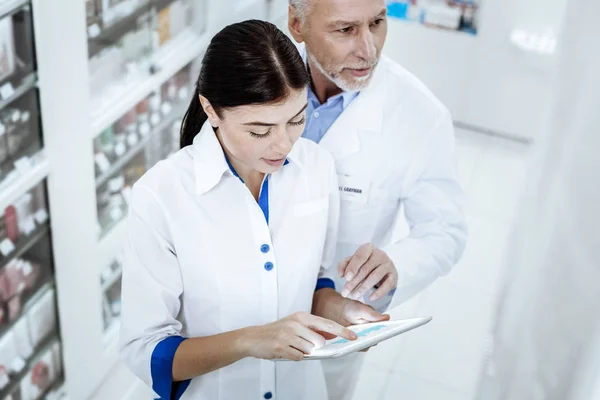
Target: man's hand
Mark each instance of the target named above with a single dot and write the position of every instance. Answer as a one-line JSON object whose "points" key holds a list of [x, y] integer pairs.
{"points": [[369, 267], [329, 304]]}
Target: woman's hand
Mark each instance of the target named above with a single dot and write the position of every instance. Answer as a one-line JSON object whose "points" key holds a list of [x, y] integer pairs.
{"points": [[292, 337]]}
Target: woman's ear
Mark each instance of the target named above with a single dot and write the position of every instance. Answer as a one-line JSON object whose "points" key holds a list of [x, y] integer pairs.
{"points": [[213, 118]]}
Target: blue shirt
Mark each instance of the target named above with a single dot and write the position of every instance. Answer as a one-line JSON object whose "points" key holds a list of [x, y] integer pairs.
{"points": [[320, 117]]}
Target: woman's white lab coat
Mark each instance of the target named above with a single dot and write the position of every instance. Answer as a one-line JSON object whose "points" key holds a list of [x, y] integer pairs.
{"points": [[204, 258]]}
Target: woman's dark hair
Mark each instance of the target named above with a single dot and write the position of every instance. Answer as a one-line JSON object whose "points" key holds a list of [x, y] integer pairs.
{"points": [[251, 62]]}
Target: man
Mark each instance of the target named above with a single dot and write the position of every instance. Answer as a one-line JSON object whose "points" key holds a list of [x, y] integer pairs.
{"points": [[393, 143]]}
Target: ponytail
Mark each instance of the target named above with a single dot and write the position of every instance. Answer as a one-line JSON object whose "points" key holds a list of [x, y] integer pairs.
{"points": [[193, 120]]}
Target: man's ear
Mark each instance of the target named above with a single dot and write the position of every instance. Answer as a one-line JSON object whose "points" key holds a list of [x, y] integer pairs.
{"points": [[295, 24], [210, 111]]}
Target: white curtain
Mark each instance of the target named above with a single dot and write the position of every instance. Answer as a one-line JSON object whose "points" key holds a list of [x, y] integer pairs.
{"points": [[546, 338]]}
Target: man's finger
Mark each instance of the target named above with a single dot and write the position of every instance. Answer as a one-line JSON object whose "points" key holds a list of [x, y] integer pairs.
{"points": [[386, 287], [367, 313], [358, 259], [367, 349], [362, 274], [341, 267], [374, 277]]}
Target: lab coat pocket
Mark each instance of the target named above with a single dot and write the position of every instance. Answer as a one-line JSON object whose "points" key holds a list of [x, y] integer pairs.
{"points": [[359, 220], [311, 207]]}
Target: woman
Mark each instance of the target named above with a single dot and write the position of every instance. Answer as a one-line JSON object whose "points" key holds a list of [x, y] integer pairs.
{"points": [[228, 237]]}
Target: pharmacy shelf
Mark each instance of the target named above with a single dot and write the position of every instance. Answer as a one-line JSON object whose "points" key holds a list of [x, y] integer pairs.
{"points": [[26, 85], [15, 186], [114, 277], [111, 337], [25, 243], [169, 60], [177, 112], [111, 244], [116, 31], [15, 381], [8, 7], [28, 304], [57, 390], [141, 145], [122, 161]]}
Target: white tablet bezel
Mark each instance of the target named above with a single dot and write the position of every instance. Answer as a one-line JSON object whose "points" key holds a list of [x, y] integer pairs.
{"points": [[403, 326]]}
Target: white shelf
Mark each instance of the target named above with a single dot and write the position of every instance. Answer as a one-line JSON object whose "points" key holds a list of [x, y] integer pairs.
{"points": [[122, 161], [177, 112], [111, 337], [112, 244], [113, 278], [14, 187], [27, 84], [184, 49], [8, 6]]}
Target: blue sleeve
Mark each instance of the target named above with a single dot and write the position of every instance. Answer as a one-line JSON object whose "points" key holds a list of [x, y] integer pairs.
{"points": [[324, 283], [161, 367]]}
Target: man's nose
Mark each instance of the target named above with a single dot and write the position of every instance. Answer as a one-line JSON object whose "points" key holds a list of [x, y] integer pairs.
{"points": [[365, 46]]}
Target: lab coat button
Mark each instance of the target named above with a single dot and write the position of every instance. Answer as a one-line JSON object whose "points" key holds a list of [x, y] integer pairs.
{"points": [[316, 114], [265, 248], [268, 265], [268, 395]]}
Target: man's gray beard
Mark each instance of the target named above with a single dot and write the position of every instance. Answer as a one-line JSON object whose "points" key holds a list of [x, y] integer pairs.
{"points": [[358, 84]]}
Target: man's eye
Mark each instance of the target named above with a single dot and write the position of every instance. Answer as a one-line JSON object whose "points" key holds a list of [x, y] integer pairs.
{"points": [[345, 30]]}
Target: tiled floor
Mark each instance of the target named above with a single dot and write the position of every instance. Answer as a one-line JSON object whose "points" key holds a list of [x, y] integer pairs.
{"points": [[441, 360]]}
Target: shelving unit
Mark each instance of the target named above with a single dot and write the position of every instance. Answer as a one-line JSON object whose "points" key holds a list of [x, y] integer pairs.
{"points": [[31, 176], [45, 346], [87, 71], [29, 330]]}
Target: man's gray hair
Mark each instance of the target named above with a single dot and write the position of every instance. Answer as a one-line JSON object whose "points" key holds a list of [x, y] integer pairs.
{"points": [[302, 7]]}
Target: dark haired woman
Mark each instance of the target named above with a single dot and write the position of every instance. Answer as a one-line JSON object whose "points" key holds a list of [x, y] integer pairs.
{"points": [[228, 238]]}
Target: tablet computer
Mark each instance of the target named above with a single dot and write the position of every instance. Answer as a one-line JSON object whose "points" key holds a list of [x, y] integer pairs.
{"points": [[368, 335]]}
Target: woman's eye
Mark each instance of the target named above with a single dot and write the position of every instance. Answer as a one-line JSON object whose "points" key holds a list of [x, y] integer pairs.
{"points": [[296, 123], [260, 135]]}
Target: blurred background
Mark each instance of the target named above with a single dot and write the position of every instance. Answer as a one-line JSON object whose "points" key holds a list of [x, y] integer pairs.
{"points": [[92, 93]]}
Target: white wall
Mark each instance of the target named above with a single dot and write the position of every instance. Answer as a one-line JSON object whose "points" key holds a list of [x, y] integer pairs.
{"points": [[548, 319], [486, 80]]}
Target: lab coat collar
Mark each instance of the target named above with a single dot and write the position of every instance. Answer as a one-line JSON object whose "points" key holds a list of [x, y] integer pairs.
{"points": [[210, 162], [363, 115], [209, 159]]}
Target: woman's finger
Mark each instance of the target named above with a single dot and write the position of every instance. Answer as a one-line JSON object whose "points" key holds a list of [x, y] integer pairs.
{"points": [[315, 338], [301, 344], [321, 324], [293, 354]]}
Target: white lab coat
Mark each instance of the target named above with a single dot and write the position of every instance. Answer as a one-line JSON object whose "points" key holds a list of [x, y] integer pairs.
{"points": [[196, 263], [394, 147]]}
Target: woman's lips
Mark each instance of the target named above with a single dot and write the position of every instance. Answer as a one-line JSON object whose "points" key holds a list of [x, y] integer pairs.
{"points": [[276, 162]]}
